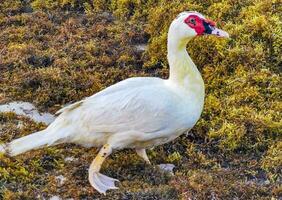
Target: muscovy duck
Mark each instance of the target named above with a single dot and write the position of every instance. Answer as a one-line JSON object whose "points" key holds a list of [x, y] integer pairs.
{"points": [[136, 113]]}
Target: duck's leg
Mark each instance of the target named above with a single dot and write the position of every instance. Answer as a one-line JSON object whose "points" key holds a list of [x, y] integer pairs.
{"points": [[97, 180], [163, 167], [142, 153]]}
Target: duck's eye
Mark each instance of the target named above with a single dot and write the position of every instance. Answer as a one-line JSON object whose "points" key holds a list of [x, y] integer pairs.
{"points": [[193, 21]]}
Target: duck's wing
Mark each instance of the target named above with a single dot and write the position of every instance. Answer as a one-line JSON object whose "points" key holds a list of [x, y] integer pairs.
{"points": [[144, 105], [124, 85]]}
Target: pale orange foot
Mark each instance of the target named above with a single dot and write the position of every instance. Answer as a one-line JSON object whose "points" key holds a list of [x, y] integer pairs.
{"points": [[101, 182]]}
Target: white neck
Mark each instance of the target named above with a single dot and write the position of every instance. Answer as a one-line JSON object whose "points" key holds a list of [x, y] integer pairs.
{"points": [[183, 71]]}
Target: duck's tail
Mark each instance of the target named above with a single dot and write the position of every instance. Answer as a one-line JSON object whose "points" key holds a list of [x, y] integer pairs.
{"points": [[29, 142]]}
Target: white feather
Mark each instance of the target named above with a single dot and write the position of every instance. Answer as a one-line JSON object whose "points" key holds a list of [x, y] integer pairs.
{"points": [[136, 112], [146, 109]]}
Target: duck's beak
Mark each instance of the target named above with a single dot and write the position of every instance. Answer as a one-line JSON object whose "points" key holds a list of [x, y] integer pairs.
{"points": [[211, 29], [219, 33]]}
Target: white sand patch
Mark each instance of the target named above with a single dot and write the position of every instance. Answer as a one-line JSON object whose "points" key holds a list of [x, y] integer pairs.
{"points": [[60, 179], [55, 198], [167, 167], [69, 159], [141, 47], [27, 109]]}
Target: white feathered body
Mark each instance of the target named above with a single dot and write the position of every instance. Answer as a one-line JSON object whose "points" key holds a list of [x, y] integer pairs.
{"points": [[134, 113]]}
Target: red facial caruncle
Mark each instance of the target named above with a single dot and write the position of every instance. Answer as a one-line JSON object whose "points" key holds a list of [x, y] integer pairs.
{"points": [[198, 24]]}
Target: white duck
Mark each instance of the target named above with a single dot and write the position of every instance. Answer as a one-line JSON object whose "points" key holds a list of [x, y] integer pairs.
{"points": [[136, 113]]}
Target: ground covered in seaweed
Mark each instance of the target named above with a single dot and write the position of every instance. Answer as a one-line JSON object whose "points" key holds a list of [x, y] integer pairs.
{"points": [[59, 51]]}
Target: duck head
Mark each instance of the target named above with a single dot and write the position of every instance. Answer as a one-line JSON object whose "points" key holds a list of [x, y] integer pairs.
{"points": [[192, 24]]}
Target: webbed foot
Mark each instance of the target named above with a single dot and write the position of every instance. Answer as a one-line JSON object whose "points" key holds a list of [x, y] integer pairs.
{"points": [[101, 182]]}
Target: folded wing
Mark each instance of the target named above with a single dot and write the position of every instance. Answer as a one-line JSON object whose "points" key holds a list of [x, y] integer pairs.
{"points": [[141, 105]]}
